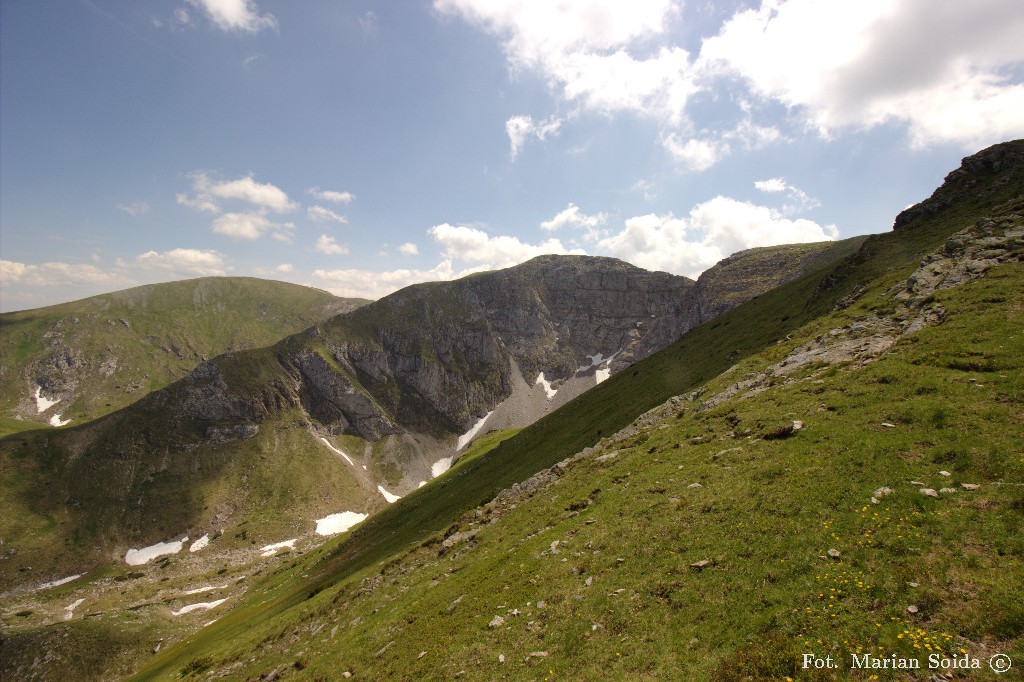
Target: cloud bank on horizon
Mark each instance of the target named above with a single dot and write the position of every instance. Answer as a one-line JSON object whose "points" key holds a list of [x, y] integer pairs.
{"points": [[477, 134]]}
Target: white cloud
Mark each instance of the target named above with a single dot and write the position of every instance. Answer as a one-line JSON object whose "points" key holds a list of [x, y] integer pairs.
{"points": [[799, 199], [241, 225], [699, 154], [713, 230], [367, 284], [588, 49], [321, 214], [247, 189], [199, 203], [134, 209], [368, 22], [328, 245], [520, 128], [208, 191], [408, 249], [948, 70], [331, 195], [934, 65], [572, 216], [771, 185], [471, 245], [284, 268], [191, 262], [59, 274], [235, 15]]}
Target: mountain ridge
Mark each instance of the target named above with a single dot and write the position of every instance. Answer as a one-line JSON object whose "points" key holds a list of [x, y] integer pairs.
{"points": [[392, 385]]}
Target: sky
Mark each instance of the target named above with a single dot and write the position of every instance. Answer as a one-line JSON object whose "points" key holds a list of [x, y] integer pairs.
{"points": [[360, 146]]}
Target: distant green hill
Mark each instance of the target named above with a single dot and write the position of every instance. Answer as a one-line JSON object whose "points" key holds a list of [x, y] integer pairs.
{"points": [[91, 357]]}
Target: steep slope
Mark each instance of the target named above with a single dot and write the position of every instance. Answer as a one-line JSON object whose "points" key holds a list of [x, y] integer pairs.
{"points": [[80, 360], [694, 543]]}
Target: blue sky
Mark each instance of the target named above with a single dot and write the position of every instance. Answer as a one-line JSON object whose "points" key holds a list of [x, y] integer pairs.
{"points": [[360, 146]]}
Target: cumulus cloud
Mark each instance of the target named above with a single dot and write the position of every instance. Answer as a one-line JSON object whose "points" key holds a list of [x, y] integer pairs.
{"points": [[235, 15], [521, 128], [59, 274], [284, 268], [714, 229], [243, 225], [206, 204], [193, 262], [208, 191], [408, 249], [264, 198], [134, 209], [947, 70], [572, 216], [329, 246], [595, 52], [702, 152], [261, 194], [937, 66], [321, 214], [697, 155], [331, 195], [472, 245], [771, 185], [367, 284]]}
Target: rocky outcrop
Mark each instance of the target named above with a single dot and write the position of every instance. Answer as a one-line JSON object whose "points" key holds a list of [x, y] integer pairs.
{"points": [[1004, 161]]}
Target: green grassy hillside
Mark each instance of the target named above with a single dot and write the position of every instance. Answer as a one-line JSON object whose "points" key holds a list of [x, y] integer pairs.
{"points": [[99, 354], [743, 523]]}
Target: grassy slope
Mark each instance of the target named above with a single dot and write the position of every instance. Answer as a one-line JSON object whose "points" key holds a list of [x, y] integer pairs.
{"points": [[698, 357], [764, 518], [171, 327], [701, 355]]}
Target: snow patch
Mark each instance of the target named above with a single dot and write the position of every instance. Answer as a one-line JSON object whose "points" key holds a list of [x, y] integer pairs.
{"points": [[210, 588], [42, 404], [547, 386], [69, 610], [336, 450], [196, 607], [468, 435], [595, 360], [200, 543], [388, 496], [440, 466], [271, 550], [137, 557], [55, 420], [58, 583], [338, 523], [421, 484], [596, 363]]}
